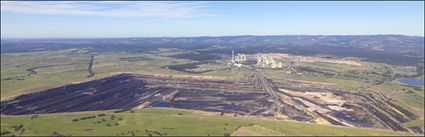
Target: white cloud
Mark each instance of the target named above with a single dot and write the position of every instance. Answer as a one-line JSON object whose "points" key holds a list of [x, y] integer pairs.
{"points": [[108, 8]]}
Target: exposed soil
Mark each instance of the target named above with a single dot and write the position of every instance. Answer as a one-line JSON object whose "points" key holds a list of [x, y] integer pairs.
{"points": [[126, 91]]}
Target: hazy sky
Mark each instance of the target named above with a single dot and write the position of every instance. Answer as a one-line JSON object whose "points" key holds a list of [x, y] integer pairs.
{"points": [[41, 19]]}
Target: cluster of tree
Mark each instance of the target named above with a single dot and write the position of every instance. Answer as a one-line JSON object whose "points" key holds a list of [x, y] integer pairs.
{"points": [[83, 118], [154, 133], [122, 110], [113, 117], [131, 133], [110, 125], [57, 134], [34, 116], [5, 132], [18, 127], [419, 70]]}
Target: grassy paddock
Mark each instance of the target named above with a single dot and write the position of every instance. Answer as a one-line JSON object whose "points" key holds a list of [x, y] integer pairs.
{"points": [[165, 121]]}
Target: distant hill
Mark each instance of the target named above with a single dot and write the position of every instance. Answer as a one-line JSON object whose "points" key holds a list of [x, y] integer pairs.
{"points": [[392, 49]]}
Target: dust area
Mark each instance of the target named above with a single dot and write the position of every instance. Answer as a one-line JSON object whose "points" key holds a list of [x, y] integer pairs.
{"points": [[322, 97], [315, 83], [320, 120], [255, 130], [347, 61]]}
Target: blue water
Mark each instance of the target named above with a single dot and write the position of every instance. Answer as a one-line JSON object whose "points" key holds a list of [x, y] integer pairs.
{"points": [[161, 104], [413, 82]]}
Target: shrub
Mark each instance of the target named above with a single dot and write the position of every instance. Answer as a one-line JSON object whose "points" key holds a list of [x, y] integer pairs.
{"points": [[34, 116], [57, 134], [417, 88], [88, 117], [122, 110], [5, 132], [17, 127]]}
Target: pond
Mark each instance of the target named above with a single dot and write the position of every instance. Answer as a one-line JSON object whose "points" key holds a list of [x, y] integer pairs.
{"points": [[413, 82]]}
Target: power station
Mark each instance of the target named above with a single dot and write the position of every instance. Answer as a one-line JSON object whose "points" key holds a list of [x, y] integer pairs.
{"points": [[263, 61]]}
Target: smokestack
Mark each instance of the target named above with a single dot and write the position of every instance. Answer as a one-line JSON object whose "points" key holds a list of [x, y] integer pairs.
{"points": [[233, 56]]}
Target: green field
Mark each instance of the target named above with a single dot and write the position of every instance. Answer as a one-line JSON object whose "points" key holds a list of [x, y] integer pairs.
{"points": [[164, 121]]}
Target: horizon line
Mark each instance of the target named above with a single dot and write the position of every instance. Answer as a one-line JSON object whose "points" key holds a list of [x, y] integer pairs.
{"points": [[210, 36]]}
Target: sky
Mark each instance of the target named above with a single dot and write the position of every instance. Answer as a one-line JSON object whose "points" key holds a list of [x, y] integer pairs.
{"points": [[106, 19]]}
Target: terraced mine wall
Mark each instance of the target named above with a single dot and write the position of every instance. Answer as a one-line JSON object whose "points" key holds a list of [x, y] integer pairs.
{"points": [[127, 91]]}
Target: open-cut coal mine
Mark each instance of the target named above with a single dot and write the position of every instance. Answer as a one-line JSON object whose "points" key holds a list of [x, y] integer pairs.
{"points": [[126, 91], [259, 96]]}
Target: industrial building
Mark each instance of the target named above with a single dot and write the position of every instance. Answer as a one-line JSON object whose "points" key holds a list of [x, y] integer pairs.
{"points": [[267, 61], [238, 59]]}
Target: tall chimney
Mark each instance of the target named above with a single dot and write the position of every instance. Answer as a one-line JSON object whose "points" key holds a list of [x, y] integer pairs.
{"points": [[233, 56]]}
